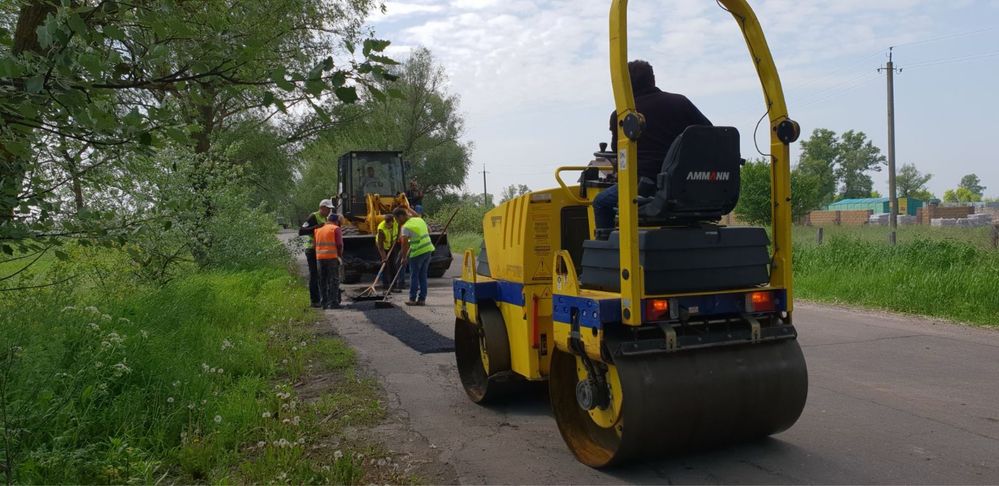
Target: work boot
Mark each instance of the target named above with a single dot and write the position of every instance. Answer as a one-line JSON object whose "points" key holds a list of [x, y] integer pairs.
{"points": [[316, 305], [421, 302], [412, 302]]}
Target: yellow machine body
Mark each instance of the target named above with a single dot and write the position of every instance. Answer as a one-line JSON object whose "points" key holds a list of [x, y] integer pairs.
{"points": [[528, 317]]}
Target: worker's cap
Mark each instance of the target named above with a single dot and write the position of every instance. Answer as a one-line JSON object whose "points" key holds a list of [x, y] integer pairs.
{"points": [[326, 203]]}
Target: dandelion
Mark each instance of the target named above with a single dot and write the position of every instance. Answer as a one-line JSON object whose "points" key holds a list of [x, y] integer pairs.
{"points": [[226, 344], [204, 367], [294, 348], [144, 333], [176, 383], [169, 399], [266, 415], [221, 371], [218, 419], [286, 421], [296, 420], [261, 444], [301, 344], [190, 406], [99, 364], [212, 370], [283, 443]]}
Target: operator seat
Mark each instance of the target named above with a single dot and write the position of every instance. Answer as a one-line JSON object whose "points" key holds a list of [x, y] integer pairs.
{"points": [[699, 179]]}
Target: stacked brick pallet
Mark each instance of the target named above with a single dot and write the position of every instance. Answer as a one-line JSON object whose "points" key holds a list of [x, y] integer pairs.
{"points": [[925, 215], [838, 218]]}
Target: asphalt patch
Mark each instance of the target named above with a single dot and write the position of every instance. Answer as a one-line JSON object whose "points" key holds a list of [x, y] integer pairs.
{"points": [[413, 333]]}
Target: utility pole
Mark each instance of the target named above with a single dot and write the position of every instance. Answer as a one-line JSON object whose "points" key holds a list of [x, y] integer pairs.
{"points": [[485, 193], [892, 198]]}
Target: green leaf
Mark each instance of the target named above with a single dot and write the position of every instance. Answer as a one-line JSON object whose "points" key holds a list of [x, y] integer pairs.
{"points": [[8, 249], [114, 32], [376, 93], [338, 79], [374, 45], [146, 138], [9, 67], [314, 87], [44, 38], [76, 24], [347, 94], [35, 84], [268, 98], [388, 61]]}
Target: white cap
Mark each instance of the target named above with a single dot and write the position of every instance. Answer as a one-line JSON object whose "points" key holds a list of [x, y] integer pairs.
{"points": [[326, 203]]}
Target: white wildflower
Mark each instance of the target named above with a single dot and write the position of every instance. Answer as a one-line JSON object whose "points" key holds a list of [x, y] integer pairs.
{"points": [[123, 320], [204, 402], [266, 415], [144, 333], [296, 420], [283, 443], [121, 369], [102, 386], [221, 371], [226, 344], [204, 367], [337, 454], [93, 310], [94, 326], [190, 406], [169, 399], [286, 421], [176, 383], [114, 338], [105, 345], [106, 317], [212, 370], [284, 361], [301, 440], [99, 364], [218, 419], [68, 308], [302, 344], [294, 348], [261, 444]]}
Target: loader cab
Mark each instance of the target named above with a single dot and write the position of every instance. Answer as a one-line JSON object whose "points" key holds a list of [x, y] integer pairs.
{"points": [[362, 173]]}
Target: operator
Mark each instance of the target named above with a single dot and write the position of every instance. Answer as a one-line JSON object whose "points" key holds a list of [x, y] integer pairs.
{"points": [[314, 222], [371, 184], [416, 250], [386, 241], [415, 196], [329, 247], [667, 115]]}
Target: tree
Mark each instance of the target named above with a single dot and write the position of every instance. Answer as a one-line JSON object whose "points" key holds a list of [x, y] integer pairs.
{"points": [[856, 157], [512, 191], [112, 81], [819, 156], [909, 182], [973, 184], [961, 195], [754, 205]]}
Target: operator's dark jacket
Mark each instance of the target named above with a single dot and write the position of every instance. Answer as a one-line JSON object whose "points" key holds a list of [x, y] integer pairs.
{"points": [[667, 115]]}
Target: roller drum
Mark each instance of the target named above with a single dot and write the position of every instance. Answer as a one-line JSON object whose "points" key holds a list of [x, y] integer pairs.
{"points": [[687, 400]]}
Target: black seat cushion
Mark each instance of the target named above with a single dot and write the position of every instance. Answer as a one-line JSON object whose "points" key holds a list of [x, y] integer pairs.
{"points": [[699, 179]]}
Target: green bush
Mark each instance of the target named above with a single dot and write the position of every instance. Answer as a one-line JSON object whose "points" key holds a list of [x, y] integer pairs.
{"points": [[467, 217]]}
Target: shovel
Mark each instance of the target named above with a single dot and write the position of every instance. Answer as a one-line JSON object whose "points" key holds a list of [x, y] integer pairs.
{"points": [[384, 302]]}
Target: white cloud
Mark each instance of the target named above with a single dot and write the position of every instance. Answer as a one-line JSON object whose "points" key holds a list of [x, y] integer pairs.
{"points": [[520, 61]]}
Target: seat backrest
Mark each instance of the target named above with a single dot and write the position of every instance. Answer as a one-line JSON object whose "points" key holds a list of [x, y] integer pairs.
{"points": [[699, 180]]}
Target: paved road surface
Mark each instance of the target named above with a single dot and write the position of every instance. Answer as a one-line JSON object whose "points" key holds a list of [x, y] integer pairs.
{"points": [[891, 400]]}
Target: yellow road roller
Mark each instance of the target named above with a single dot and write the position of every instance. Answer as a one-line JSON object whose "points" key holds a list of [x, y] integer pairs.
{"points": [[672, 333]]}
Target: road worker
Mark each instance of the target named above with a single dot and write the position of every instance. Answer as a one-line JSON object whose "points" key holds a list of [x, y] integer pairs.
{"points": [[387, 243], [315, 221], [329, 247], [416, 250]]}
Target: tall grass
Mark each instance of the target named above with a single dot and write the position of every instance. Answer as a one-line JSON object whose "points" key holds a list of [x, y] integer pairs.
{"points": [[180, 382], [944, 277]]}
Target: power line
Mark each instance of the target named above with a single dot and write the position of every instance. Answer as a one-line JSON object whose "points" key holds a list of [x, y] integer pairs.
{"points": [[950, 60]]}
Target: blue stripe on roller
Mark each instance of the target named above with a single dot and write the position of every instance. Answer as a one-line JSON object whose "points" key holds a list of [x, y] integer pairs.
{"points": [[593, 313], [495, 290]]}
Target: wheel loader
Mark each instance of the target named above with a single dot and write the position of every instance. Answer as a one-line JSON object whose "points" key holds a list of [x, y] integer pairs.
{"points": [[673, 333], [372, 184]]}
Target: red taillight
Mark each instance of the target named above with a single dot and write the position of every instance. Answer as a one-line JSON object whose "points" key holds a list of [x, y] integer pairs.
{"points": [[760, 302], [656, 309]]}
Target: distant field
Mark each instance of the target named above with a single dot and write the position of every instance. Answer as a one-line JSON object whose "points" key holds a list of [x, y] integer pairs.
{"points": [[945, 272]]}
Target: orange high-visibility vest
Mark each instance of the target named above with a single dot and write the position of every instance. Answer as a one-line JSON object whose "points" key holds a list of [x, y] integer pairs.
{"points": [[326, 242]]}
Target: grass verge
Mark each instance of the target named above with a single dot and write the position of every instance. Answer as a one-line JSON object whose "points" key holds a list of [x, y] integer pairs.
{"points": [[197, 381]]}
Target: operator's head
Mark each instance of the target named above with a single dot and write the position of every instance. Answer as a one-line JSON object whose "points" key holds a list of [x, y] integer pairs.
{"points": [[371, 171], [325, 207], [400, 215], [642, 77], [412, 184]]}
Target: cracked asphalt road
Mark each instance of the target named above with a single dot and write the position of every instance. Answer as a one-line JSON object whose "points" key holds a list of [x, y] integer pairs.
{"points": [[892, 399]]}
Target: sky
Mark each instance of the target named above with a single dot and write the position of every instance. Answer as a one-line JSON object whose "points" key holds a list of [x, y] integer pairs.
{"points": [[535, 91]]}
